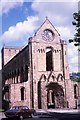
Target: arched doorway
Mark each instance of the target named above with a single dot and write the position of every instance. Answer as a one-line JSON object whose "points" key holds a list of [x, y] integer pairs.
{"points": [[55, 96], [6, 97], [6, 93]]}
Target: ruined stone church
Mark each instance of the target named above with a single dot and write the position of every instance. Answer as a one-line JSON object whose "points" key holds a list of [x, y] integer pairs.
{"points": [[38, 74]]}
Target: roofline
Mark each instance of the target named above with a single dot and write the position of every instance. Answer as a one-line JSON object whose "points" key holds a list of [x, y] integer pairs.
{"points": [[43, 24]]}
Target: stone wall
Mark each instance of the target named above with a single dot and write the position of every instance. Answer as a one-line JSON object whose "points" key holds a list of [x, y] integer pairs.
{"points": [[34, 56]]}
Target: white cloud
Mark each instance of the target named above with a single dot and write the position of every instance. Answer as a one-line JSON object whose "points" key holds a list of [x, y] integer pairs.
{"points": [[73, 57], [22, 30], [6, 5], [56, 1], [58, 12], [65, 32]]}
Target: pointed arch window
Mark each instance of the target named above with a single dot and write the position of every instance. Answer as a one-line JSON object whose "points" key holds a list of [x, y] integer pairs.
{"points": [[49, 59], [22, 93]]}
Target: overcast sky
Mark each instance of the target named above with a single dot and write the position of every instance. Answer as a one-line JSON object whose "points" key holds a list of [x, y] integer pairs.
{"points": [[20, 19]]}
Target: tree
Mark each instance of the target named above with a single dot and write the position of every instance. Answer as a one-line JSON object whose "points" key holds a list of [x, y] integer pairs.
{"points": [[76, 23]]}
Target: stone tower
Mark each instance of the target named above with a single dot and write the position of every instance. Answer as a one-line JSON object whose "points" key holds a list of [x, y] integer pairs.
{"points": [[51, 85]]}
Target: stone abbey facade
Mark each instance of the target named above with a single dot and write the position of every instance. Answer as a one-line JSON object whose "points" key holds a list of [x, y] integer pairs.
{"points": [[38, 74]]}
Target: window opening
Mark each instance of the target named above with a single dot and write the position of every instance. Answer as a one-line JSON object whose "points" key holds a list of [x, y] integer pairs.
{"points": [[49, 59], [22, 93], [75, 91]]}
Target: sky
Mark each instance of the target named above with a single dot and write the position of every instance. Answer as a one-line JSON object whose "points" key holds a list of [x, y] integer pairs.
{"points": [[19, 19]]}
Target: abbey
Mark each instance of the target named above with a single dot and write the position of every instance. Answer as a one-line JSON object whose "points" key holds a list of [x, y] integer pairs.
{"points": [[38, 74]]}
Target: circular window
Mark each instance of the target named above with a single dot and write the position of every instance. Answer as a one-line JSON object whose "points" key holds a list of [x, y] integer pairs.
{"points": [[48, 35]]}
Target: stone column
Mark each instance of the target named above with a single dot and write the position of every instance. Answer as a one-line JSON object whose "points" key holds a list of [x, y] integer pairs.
{"points": [[50, 93], [44, 95]]}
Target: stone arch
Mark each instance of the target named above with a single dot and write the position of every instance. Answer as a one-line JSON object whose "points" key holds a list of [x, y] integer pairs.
{"points": [[6, 92], [55, 95], [52, 76], [60, 77], [40, 87], [6, 97], [43, 77], [22, 90]]}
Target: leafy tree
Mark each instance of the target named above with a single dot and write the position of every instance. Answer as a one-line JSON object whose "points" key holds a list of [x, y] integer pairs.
{"points": [[76, 23]]}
